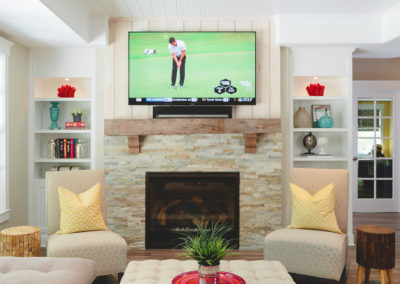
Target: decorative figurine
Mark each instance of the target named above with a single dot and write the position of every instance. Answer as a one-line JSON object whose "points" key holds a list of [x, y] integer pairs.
{"points": [[309, 142]]}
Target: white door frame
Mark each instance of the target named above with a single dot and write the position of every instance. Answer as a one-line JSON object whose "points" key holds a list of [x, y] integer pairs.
{"points": [[377, 89]]}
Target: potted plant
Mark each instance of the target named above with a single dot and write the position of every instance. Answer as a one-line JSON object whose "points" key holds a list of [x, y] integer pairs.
{"points": [[77, 114], [208, 246]]}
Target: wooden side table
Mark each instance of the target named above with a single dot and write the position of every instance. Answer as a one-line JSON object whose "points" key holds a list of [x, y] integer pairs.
{"points": [[375, 249], [20, 241]]}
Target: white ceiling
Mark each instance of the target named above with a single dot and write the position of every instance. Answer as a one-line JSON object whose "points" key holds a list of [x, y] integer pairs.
{"points": [[33, 24], [236, 8], [37, 23]]}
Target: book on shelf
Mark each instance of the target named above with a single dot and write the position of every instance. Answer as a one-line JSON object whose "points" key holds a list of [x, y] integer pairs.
{"points": [[65, 149], [75, 125]]}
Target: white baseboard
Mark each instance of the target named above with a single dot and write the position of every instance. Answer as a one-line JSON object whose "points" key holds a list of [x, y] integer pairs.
{"points": [[43, 239], [350, 237]]}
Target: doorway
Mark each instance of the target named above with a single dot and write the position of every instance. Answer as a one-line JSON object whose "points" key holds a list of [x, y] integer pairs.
{"points": [[375, 151]]}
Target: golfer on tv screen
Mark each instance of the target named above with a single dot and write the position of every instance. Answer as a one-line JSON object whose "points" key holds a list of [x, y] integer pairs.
{"points": [[177, 48]]}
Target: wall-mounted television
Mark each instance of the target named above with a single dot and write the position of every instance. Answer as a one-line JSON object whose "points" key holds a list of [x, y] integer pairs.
{"points": [[192, 68]]}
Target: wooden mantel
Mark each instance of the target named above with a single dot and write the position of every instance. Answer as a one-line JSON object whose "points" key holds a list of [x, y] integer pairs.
{"points": [[133, 128]]}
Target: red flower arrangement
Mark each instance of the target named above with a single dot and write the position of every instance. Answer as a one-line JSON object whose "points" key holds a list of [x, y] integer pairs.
{"points": [[315, 89], [66, 91]]}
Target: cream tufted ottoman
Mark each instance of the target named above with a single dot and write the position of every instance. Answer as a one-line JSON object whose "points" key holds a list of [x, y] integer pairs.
{"points": [[46, 270], [163, 271]]}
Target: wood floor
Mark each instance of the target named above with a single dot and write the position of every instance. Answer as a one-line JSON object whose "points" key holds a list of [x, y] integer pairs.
{"points": [[384, 219]]}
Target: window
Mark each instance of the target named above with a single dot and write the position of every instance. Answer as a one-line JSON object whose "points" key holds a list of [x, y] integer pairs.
{"points": [[4, 174]]}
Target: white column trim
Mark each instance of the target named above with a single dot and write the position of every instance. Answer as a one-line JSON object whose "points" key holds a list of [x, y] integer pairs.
{"points": [[5, 47]]}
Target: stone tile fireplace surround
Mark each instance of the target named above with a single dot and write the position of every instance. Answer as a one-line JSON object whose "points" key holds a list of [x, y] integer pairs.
{"points": [[260, 178]]}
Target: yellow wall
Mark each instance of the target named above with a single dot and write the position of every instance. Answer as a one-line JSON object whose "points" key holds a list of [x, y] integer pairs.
{"points": [[387, 129]]}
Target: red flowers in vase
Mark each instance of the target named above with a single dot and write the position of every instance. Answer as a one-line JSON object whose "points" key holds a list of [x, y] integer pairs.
{"points": [[315, 89], [66, 91]]}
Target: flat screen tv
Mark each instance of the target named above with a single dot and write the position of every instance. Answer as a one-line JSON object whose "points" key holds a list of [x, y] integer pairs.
{"points": [[192, 68]]}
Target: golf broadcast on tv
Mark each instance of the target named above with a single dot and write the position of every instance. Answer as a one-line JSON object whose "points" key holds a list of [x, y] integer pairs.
{"points": [[192, 68]]}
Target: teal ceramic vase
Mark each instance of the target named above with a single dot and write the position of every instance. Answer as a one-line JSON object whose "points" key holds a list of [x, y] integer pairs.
{"points": [[325, 121], [54, 114]]}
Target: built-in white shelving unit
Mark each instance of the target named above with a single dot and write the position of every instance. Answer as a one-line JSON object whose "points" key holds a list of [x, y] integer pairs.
{"points": [[332, 68], [45, 92], [49, 69]]}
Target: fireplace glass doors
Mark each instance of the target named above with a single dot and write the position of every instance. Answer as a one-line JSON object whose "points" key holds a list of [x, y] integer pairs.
{"points": [[175, 200]]}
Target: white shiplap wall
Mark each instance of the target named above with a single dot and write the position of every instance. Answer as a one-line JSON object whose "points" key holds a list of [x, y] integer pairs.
{"points": [[268, 64]]}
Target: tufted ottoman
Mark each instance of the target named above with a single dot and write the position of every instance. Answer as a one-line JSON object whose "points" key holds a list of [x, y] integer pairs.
{"points": [[163, 271], [46, 270]]}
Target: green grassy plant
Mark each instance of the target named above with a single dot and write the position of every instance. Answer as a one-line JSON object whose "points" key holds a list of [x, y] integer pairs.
{"points": [[207, 245]]}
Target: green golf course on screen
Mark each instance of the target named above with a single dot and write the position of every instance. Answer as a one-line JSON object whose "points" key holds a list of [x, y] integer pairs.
{"points": [[213, 65]]}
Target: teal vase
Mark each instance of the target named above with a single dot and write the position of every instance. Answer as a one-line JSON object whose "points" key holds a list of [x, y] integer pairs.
{"points": [[54, 114], [325, 121]]}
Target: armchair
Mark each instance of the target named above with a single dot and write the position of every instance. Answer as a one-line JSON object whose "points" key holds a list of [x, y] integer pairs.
{"points": [[312, 252], [107, 249]]}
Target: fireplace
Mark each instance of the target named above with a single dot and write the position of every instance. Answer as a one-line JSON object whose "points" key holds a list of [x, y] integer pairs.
{"points": [[175, 200]]}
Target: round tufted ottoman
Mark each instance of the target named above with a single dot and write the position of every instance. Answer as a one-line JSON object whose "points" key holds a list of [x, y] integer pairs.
{"points": [[163, 271]]}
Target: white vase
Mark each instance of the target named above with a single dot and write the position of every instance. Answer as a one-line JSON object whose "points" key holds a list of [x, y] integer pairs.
{"points": [[322, 143], [302, 119]]}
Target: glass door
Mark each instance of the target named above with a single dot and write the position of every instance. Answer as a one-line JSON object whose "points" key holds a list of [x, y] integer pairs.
{"points": [[374, 154]]}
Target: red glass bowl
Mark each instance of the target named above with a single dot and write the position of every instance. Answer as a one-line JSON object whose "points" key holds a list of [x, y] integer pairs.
{"points": [[192, 277]]}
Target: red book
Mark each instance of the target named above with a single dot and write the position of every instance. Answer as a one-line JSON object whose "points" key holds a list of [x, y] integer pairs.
{"points": [[74, 124], [65, 148], [72, 148]]}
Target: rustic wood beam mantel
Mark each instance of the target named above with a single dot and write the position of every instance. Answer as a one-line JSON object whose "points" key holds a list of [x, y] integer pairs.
{"points": [[133, 128]]}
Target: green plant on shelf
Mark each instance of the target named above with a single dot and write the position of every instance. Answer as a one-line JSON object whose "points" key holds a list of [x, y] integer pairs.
{"points": [[77, 111], [77, 114]]}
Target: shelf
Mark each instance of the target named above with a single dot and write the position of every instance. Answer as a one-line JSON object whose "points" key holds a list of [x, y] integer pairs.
{"points": [[320, 129], [319, 159], [63, 131], [62, 99], [58, 161], [133, 128], [316, 98]]}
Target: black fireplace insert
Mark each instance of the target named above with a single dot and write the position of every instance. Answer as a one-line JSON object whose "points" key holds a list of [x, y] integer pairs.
{"points": [[176, 200]]}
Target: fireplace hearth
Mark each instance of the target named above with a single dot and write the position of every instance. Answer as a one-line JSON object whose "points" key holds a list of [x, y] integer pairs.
{"points": [[175, 200]]}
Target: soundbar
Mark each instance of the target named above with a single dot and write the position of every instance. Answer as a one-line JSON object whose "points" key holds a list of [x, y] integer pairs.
{"points": [[192, 112]]}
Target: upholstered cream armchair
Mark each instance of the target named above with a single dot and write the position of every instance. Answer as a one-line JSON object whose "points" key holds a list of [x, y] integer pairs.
{"points": [[107, 249], [311, 252]]}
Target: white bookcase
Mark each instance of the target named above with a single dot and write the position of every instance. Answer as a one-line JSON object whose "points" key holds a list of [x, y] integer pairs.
{"points": [[336, 97], [45, 91], [333, 69]]}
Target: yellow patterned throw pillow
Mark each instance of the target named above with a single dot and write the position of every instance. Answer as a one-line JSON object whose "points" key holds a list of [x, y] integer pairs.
{"points": [[314, 211], [80, 212]]}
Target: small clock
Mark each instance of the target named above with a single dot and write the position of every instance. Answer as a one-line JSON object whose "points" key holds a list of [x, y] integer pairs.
{"points": [[309, 142]]}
